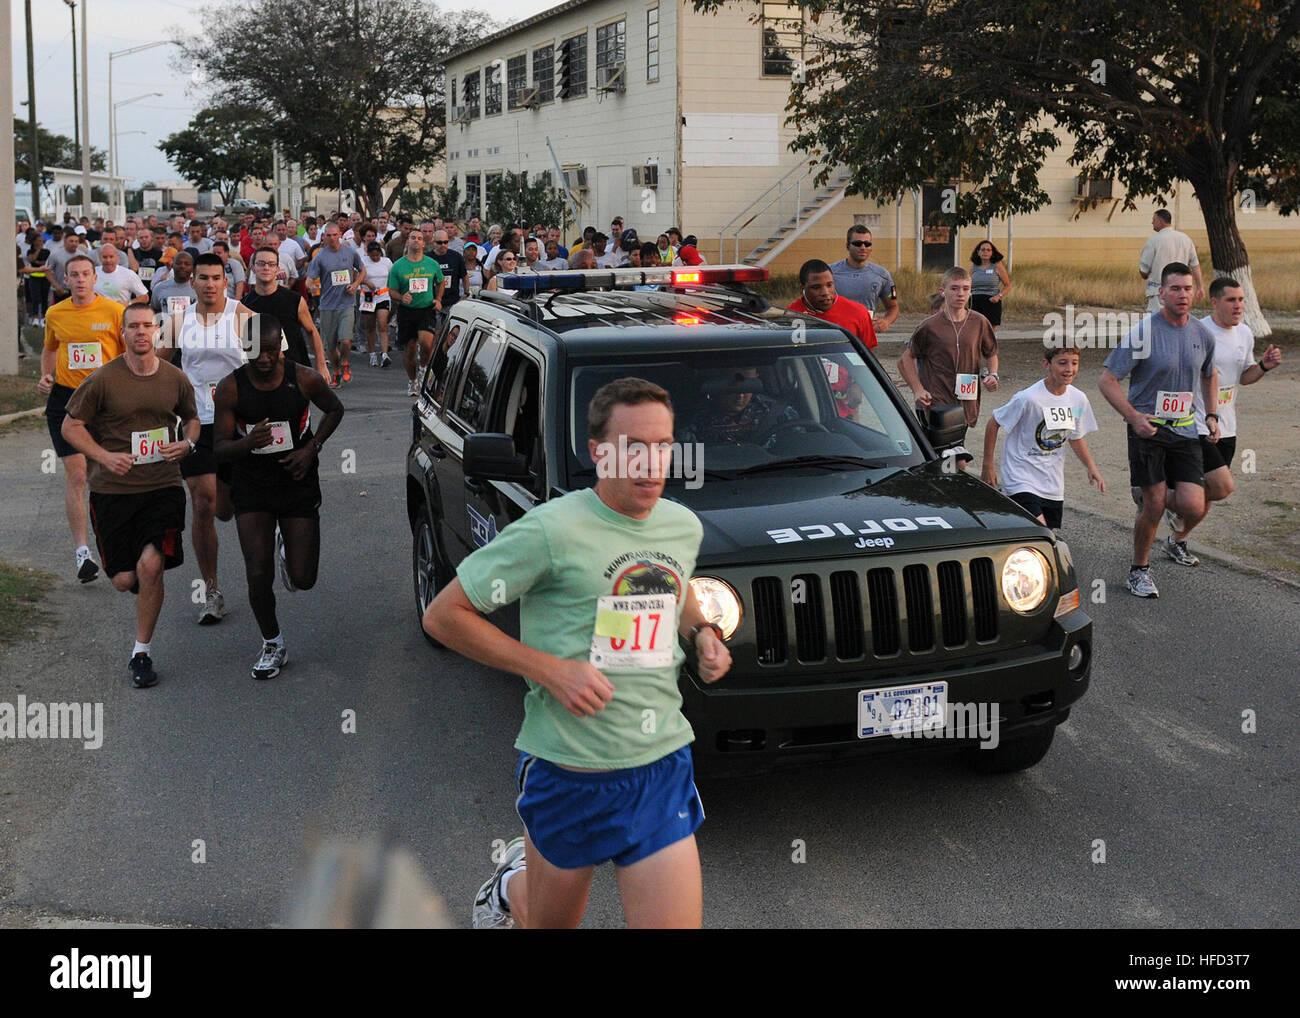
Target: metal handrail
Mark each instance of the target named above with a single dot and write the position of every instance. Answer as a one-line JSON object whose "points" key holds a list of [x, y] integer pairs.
{"points": [[801, 168], [782, 187]]}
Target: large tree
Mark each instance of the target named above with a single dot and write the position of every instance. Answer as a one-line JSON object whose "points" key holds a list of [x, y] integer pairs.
{"points": [[909, 91], [345, 86], [221, 148]]}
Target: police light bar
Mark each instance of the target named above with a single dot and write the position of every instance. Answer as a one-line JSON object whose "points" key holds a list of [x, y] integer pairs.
{"points": [[596, 279]]}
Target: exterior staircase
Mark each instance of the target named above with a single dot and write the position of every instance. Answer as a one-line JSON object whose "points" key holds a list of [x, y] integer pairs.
{"points": [[785, 210]]}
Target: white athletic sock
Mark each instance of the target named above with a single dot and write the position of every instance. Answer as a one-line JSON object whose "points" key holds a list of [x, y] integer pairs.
{"points": [[81, 548], [140, 648], [506, 877], [277, 639]]}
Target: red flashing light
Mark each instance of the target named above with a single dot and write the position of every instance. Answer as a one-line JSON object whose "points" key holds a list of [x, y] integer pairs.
{"points": [[685, 319], [686, 277]]}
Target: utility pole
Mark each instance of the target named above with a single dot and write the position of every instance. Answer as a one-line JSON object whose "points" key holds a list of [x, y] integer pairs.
{"points": [[9, 333], [85, 116], [35, 154], [76, 118]]}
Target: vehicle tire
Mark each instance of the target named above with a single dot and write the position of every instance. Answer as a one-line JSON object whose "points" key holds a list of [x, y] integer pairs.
{"points": [[1013, 755], [427, 571]]}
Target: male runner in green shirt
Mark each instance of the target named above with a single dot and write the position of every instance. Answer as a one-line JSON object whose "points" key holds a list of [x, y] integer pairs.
{"points": [[603, 580]]}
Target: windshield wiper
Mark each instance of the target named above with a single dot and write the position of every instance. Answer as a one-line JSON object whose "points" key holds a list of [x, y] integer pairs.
{"points": [[813, 461]]}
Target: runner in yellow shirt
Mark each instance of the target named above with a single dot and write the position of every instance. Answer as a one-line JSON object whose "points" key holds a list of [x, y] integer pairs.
{"points": [[83, 332]]}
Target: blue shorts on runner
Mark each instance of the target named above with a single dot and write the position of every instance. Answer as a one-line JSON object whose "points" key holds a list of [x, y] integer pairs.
{"points": [[581, 818]]}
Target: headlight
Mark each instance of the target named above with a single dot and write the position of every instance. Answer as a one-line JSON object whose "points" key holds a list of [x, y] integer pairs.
{"points": [[718, 602], [1025, 580]]}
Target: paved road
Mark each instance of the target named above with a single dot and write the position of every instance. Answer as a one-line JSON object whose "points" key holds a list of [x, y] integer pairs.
{"points": [[1198, 819]]}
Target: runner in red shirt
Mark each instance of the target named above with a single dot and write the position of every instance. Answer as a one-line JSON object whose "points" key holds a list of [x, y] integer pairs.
{"points": [[819, 299]]}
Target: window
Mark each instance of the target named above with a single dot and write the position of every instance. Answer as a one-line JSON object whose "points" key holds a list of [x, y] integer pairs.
{"points": [[544, 72], [447, 351], [473, 193], [782, 39], [453, 93], [652, 44], [471, 94], [492, 88], [489, 180], [472, 406], [574, 84], [516, 79], [611, 44]]}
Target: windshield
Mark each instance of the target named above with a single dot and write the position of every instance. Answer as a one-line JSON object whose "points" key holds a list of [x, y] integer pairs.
{"points": [[759, 411]]}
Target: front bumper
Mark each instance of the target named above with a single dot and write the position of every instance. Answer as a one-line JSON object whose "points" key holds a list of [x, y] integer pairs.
{"points": [[1033, 686]]}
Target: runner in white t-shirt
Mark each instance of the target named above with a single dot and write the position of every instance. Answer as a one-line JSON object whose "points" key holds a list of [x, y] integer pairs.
{"points": [[1040, 420], [376, 302], [114, 280], [1234, 357]]}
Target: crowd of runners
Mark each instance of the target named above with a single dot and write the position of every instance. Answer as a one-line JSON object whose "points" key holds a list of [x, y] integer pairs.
{"points": [[188, 356]]}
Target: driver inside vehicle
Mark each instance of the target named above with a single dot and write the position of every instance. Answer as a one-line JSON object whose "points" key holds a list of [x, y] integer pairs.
{"points": [[737, 411]]}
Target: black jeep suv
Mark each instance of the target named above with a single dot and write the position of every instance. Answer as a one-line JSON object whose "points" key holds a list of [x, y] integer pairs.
{"points": [[873, 595]]}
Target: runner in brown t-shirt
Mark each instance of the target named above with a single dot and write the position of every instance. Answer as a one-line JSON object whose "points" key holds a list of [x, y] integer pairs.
{"points": [[134, 419], [941, 361]]}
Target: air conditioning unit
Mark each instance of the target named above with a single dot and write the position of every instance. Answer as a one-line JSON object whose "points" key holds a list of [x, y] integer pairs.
{"points": [[576, 179], [611, 78], [1087, 189], [645, 176], [460, 115], [529, 98]]}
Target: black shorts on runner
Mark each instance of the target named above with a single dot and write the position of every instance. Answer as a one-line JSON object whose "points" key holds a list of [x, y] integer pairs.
{"points": [[203, 461], [1218, 454], [985, 305], [414, 320], [1165, 457], [380, 305], [56, 408], [286, 500], [1048, 509], [125, 524]]}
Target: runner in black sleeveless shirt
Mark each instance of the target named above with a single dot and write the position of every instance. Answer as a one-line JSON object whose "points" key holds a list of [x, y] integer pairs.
{"points": [[263, 426], [267, 297]]}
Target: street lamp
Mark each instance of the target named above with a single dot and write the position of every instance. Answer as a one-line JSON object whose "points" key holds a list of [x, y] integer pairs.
{"points": [[112, 153], [112, 143], [76, 120]]}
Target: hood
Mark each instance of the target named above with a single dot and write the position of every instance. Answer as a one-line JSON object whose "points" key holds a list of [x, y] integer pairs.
{"points": [[867, 513]]}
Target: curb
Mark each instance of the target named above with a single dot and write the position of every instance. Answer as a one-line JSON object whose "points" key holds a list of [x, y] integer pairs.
{"points": [[6, 418], [1204, 551]]}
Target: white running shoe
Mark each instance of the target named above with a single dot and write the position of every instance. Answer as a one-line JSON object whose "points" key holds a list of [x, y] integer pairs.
{"points": [[491, 910], [410, 388], [1177, 550], [87, 570], [274, 656], [214, 608], [1141, 584], [1174, 521], [374, 359]]}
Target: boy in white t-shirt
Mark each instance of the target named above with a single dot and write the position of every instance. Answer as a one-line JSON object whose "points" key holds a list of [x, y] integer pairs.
{"points": [[1040, 420]]}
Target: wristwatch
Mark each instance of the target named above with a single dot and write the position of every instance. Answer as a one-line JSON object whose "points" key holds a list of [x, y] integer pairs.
{"points": [[318, 446], [1215, 416], [695, 631], [1260, 365], [193, 445]]}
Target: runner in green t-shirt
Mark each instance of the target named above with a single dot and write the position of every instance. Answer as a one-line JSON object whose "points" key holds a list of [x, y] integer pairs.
{"points": [[416, 284], [603, 580]]}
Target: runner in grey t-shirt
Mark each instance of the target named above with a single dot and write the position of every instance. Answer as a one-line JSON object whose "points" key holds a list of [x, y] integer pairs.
{"points": [[176, 287], [858, 278], [341, 272], [1168, 355]]}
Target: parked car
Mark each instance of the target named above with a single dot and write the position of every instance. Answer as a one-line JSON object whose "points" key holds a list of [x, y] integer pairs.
{"points": [[865, 585]]}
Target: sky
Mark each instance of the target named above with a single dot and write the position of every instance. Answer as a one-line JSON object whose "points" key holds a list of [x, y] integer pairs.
{"points": [[121, 24]]}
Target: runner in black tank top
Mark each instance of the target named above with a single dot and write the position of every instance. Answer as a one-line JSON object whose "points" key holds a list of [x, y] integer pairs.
{"points": [[268, 297], [263, 426]]}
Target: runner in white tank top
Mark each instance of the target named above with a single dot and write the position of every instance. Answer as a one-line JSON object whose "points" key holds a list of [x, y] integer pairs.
{"points": [[208, 336]]}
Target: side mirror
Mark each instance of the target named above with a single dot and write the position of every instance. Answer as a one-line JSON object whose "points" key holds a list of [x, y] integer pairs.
{"points": [[491, 456], [944, 426]]}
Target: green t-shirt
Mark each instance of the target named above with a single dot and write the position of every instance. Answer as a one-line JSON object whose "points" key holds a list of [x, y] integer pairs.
{"points": [[404, 270], [557, 561]]}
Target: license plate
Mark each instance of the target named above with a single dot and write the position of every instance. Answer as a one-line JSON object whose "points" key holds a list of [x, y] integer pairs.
{"points": [[901, 710]]}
